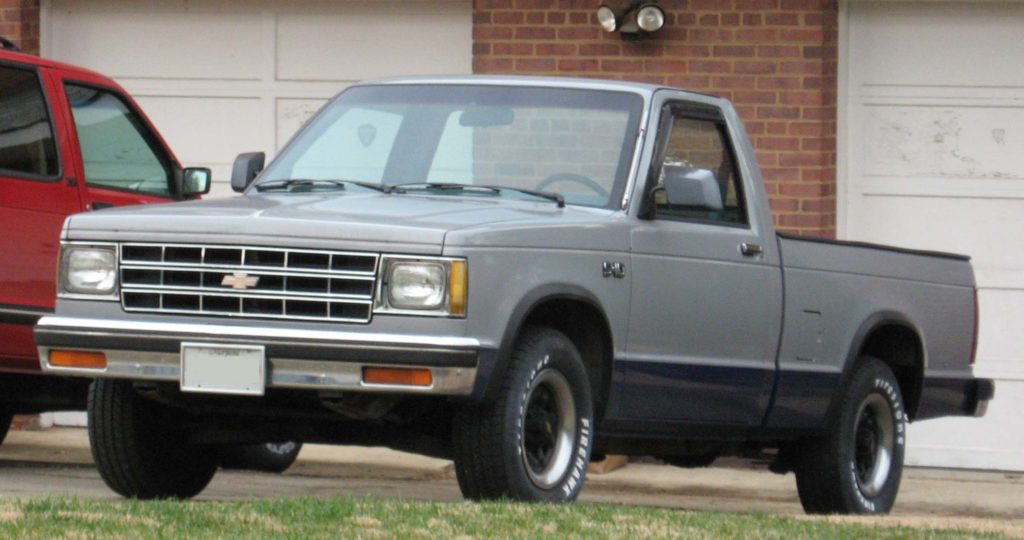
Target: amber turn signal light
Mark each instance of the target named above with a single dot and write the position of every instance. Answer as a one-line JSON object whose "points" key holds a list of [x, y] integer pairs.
{"points": [[78, 359], [398, 376]]}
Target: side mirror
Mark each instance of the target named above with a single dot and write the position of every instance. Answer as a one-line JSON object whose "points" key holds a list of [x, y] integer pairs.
{"points": [[245, 169], [692, 187], [195, 181]]}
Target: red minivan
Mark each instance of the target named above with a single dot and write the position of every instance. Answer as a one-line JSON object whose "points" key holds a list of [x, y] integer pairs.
{"points": [[71, 140]]}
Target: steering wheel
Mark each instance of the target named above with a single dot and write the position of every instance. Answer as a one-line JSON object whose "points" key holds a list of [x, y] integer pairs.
{"points": [[573, 177]]}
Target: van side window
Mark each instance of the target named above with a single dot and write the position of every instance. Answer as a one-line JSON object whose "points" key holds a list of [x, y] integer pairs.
{"points": [[27, 146], [118, 151], [699, 147]]}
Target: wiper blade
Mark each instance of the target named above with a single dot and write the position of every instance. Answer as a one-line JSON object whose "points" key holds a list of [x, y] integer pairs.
{"points": [[284, 184], [450, 186], [443, 186], [549, 195]]}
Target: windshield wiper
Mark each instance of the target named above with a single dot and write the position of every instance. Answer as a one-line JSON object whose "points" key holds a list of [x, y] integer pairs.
{"points": [[450, 186], [285, 184], [549, 195], [442, 186]]}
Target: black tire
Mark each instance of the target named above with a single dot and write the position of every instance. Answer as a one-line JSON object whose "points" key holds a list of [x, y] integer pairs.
{"points": [[138, 445], [856, 468], [266, 457], [533, 441], [5, 424]]}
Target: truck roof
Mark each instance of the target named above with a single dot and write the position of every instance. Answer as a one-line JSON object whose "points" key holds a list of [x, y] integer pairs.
{"points": [[524, 80]]}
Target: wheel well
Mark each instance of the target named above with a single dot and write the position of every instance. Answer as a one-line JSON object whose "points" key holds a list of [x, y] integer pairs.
{"points": [[900, 348], [588, 329]]}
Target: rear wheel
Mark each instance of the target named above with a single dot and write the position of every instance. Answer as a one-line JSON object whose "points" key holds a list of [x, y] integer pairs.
{"points": [[273, 457], [5, 424], [532, 443], [139, 445], [856, 467]]}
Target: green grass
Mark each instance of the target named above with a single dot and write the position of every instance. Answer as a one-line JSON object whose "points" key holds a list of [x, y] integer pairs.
{"points": [[391, 518]]}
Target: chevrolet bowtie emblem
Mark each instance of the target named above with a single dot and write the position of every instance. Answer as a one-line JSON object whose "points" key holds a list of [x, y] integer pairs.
{"points": [[240, 280]]}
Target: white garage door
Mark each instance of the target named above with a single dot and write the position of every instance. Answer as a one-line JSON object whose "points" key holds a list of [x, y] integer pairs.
{"points": [[932, 156], [223, 77]]}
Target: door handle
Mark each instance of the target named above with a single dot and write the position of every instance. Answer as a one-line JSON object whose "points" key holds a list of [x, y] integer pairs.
{"points": [[97, 205], [751, 250]]}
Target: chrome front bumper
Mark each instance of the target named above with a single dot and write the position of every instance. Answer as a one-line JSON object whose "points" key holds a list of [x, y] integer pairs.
{"points": [[302, 359]]}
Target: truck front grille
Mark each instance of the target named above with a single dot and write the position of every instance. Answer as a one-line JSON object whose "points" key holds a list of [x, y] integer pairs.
{"points": [[247, 281]]}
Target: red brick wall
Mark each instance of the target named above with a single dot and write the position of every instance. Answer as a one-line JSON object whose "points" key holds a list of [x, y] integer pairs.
{"points": [[19, 22], [775, 59]]}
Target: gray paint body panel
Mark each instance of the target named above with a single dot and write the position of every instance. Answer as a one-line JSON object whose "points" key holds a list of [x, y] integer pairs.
{"points": [[690, 303]]}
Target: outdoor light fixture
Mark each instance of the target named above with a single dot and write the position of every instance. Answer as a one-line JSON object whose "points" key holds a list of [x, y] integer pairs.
{"points": [[636, 19]]}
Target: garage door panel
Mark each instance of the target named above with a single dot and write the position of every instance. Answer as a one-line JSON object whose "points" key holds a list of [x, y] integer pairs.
{"points": [[1000, 347], [345, 48], [971, 443], [220, 77], [189, 124], [292, 114], [933, 127], [982, 228], [939, 43], [161, 45], [945, 141]]}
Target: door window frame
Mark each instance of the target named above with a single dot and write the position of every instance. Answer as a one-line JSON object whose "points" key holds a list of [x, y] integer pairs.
{"points": [[146, 131], [48, 104], [671, 110]]}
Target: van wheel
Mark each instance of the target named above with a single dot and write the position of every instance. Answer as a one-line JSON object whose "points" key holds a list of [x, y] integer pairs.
{"points": [[274, 457], [138, 445], [5, 424], [533, 442], [856, 467]]}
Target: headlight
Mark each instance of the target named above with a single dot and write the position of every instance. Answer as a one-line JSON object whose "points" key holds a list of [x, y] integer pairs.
{"points": [[433, 287], [89, 270], [416, 285]]}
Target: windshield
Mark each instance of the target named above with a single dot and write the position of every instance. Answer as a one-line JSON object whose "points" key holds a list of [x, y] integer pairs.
{"points": [[577, 143]]}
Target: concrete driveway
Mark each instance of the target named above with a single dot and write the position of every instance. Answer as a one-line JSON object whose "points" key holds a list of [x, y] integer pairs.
{"points": [[57, 462]]}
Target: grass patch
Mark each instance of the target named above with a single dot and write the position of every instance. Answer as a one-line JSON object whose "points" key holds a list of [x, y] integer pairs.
{"points": [[62, 517]]}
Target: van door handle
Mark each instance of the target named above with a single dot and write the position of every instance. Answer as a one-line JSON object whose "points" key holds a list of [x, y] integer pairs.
{"points": [[101, 205], [751, 250]]}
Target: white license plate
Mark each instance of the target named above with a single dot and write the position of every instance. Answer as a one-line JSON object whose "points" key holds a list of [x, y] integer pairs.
{"points": [[223, 369]]}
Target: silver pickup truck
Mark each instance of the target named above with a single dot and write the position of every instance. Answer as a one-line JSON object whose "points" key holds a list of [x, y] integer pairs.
{"points": [[518, 274]]}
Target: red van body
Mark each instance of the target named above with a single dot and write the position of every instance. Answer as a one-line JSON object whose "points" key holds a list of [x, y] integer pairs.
{"points": [[71, 140]]}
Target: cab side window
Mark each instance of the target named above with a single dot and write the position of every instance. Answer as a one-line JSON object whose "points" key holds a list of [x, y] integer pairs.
{"points": [[118, 152], [698, 147], [27, 146]]}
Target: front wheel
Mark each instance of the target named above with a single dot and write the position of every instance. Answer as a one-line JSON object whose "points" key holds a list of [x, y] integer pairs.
{"points": [[139, 445], [856, 467], [533, 442]]}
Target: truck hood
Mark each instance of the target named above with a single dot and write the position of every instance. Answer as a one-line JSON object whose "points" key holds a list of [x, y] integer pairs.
{"points": [[373, 221]]}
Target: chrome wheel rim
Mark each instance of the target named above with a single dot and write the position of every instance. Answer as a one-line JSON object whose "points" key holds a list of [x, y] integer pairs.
{"points": [[548, 429], [874, 443]]}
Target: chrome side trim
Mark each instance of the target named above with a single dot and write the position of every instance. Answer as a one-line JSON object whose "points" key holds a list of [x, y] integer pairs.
{"points": [[282, 373], [260, 332]]}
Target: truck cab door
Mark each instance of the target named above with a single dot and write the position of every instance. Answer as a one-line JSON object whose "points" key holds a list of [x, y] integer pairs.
{"points": [[121, 158], [706, 300], [35, 197]]}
